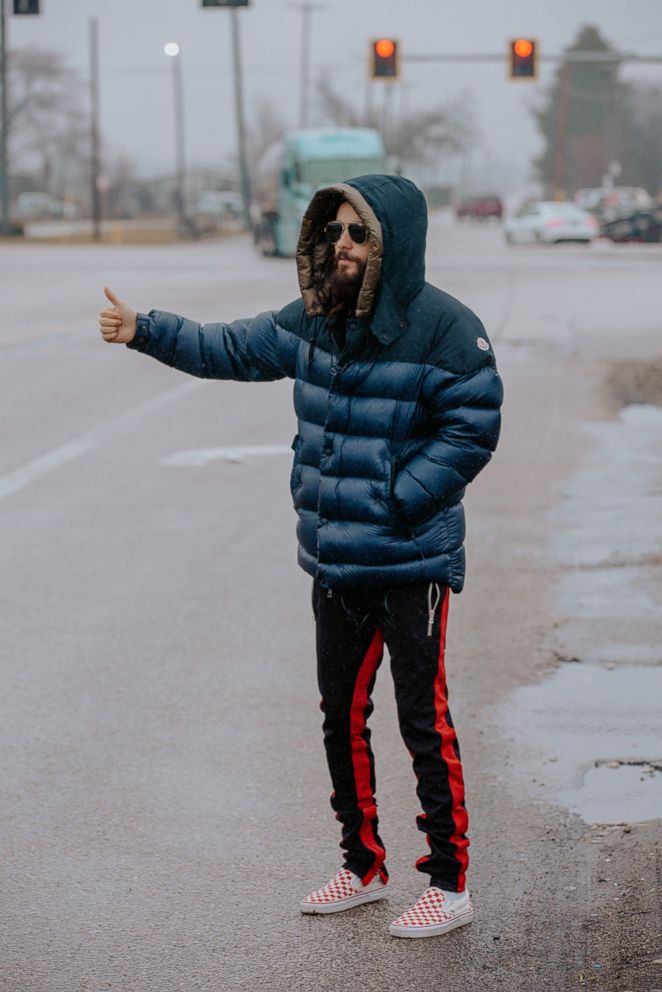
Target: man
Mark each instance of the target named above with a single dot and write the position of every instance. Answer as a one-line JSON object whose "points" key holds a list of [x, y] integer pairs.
{"points": [[397, 398]]}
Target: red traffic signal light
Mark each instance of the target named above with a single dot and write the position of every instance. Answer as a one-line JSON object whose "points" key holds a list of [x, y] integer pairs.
{"points": [[522, 55], [384, 59]]}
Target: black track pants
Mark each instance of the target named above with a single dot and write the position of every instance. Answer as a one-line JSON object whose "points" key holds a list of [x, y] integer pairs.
{"points": [[352, 628]]}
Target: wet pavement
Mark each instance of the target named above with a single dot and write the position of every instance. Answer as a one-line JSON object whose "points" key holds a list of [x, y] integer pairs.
{"points": [[594, 726], [165, 797], [592, 741]]}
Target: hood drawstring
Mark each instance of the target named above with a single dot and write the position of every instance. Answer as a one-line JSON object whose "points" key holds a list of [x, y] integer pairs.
{"points": [[432, 607], [311, 351]]}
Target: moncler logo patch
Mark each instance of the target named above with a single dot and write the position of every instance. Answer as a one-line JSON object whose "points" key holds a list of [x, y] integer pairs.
{"points": [[483, 344]]}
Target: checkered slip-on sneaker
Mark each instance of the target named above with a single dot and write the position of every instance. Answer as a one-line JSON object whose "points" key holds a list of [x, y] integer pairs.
{"points": [[433, 914], [343, 891]]}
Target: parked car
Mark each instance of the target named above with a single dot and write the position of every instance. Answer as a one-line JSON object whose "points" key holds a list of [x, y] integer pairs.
{"points": [[548, 222], [610, 204], [43, 206], [625, 213], [589, 198], [643, 226], [479, 208]]}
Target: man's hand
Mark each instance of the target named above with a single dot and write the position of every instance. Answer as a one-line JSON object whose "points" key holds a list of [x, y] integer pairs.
{"points": [[117, 325]]}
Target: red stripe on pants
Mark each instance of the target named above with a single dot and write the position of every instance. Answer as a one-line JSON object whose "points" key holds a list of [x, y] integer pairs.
{"points": [[360, 759], [449, 756]]}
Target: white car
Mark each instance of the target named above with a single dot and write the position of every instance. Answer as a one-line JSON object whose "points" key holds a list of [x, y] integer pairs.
{"points": [[548, 222]]}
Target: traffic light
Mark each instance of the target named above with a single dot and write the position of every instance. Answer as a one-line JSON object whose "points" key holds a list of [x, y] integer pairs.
{"points": [[522, 54], [384, 59]]}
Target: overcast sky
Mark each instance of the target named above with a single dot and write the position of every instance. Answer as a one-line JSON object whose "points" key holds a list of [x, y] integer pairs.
{"points": [[136, 85]]}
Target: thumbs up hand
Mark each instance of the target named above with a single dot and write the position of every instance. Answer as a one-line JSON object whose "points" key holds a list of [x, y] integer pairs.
{"points": [[117, 324]]}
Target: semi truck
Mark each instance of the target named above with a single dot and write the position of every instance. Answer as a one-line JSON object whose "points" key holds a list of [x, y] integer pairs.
{"points": [[293, 169]]}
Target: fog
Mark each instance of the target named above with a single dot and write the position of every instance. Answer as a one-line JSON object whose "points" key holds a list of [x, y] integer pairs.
{"points": [[136, 85]]}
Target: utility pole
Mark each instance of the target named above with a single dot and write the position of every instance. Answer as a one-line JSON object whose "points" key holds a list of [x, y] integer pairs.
{"points": [[387, 118], [94, 128], [4, 127], [246, 191], [368, 104], [244, 172], [306, 7], [561, 133]]}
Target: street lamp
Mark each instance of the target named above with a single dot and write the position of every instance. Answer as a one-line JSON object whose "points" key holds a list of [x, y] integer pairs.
{"points": [[173, 51]]}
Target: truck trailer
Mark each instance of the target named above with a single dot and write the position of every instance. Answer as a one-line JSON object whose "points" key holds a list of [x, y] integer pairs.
{"points": [[293, 169]]}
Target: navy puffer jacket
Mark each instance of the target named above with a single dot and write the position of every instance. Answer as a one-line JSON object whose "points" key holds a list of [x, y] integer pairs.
{"points": [[393, 425]]}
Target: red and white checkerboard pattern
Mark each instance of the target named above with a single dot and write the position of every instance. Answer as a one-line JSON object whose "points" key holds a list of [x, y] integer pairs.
{"points": [[432, 914], [343, 891]]}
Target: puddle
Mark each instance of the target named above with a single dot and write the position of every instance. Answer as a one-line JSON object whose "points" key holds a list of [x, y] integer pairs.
{"points": [[623, 794], [572, 724]]}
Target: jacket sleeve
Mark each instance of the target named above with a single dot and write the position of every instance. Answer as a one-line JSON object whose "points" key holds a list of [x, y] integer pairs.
{"points": [[249, 350], [464, 430]]}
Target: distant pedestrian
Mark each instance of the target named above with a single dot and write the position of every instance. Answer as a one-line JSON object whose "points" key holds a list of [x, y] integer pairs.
{"points": [[397, 398]]}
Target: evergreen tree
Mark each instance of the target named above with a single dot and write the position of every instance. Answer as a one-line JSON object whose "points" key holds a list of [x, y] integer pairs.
{"points": [[642, 157], [584, 120]]}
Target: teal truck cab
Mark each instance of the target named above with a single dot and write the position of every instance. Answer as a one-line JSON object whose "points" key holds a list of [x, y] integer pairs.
{"points": [[291, 171]]}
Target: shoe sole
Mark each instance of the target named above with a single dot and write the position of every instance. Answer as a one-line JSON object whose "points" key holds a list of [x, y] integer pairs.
{"points": [[341, 905], [435, 930]]}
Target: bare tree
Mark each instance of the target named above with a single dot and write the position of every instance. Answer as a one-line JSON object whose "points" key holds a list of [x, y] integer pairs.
{"points": [[641, 154], [266, 128], [122, 199], [421, 137], [424, 136], [48, 126], [335, 109]]}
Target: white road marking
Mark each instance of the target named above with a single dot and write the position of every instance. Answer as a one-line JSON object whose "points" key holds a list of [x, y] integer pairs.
{"points": [[36, 469], [199, 457], [23, 476]]}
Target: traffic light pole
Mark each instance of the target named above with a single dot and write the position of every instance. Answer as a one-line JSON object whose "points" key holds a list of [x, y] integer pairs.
{"points": [[4, 127], [610, 57], [387, 118]]}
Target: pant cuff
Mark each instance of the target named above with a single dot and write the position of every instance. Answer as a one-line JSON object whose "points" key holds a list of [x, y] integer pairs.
{"points": [[367, 874], [444, 883]]}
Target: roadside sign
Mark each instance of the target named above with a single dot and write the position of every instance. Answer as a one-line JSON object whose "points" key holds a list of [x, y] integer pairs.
{"points": [[26, 6]]}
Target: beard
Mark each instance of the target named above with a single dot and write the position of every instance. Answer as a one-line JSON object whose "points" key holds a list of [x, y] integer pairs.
{"points": [[345, 286]]}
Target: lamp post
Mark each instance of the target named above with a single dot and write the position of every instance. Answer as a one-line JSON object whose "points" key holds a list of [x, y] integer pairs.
{"points": [[4, 126], [173, 51]]}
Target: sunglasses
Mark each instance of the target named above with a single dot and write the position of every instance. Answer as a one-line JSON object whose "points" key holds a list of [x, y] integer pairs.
{"points": [[334, 229]]}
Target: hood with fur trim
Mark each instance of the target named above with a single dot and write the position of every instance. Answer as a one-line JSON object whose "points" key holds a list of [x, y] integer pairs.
{"points": [[394, 211]]}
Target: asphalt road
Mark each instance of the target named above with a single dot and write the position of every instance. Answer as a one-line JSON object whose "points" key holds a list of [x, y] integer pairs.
{"points": [[164, 802]]}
